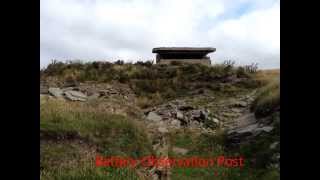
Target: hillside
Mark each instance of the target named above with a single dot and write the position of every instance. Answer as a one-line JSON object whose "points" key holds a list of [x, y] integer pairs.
{"points": [[174, 111]]}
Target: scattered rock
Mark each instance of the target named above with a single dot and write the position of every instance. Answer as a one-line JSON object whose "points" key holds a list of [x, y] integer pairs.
{"points": [[152, 116]]}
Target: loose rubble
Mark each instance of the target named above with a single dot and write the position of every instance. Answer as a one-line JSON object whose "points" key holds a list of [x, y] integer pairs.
{"points": [[178, 113]]}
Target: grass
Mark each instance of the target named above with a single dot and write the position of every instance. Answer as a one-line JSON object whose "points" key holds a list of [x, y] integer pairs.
{"points": [[213, 145], [264, 77], [268, 99], [73, 134]]}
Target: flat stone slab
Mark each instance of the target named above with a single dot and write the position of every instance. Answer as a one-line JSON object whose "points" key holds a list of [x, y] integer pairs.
{"points": [[75, 95], [56, 92], [184, 49]]}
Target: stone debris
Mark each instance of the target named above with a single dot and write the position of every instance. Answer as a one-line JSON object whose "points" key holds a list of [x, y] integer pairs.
{"points": [[178, 113]]}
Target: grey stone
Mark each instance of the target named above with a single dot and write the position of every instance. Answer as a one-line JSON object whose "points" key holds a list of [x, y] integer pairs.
{"points": [[274, 145], [215, 120], [265, 128], [176, 123], [163, 130], [56, 92], [75, 95], [181, 151], [179, 115], [194, 124], [152, 116], [241, 104], [247, 129]]}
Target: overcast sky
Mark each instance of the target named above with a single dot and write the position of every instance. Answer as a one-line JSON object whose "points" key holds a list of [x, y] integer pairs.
{"points": [[246, 31]]}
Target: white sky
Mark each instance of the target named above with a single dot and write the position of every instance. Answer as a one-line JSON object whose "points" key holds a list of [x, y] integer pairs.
{"points": [[246, 31]]}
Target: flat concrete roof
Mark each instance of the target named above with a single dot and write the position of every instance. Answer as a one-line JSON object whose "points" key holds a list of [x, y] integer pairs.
{"points": [[183, 49]]}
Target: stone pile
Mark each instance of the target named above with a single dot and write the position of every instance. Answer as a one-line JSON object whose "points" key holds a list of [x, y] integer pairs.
{"points": [[178, 113]]}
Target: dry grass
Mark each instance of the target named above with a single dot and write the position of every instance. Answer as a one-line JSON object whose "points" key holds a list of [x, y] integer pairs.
{"points": [[267, 76], [268, 98]]}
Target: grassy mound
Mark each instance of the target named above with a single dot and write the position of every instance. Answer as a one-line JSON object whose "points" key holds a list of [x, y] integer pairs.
{"points": [[73, 134]]}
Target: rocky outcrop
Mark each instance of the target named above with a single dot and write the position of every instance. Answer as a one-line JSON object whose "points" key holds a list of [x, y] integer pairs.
{"points": [[246, 130], [84, 92]]}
